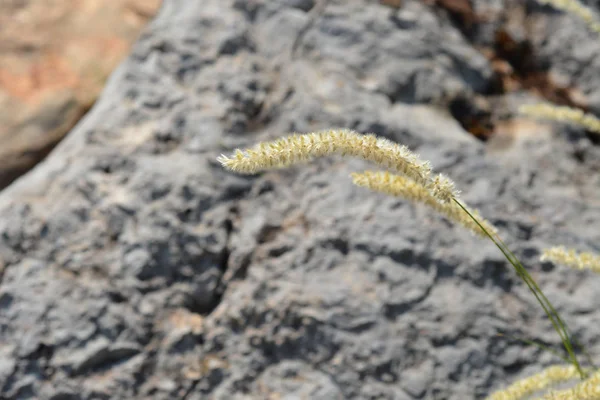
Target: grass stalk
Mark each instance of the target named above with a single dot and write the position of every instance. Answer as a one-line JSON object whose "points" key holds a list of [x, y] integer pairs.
{"points": [[559, 325]]}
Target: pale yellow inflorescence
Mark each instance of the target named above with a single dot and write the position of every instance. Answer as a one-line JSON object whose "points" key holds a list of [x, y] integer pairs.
{"points": [[586, 390], [297, 148], [562, 114], [572, 259], [399, 186], [574, 7], [527, 386]]}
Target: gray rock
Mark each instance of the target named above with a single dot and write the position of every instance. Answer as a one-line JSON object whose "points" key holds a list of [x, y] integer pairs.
{"points": [[134, 266]]}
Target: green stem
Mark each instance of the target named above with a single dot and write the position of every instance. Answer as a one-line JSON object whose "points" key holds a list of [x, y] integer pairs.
{"points": [[539, 345], [557, 322]]}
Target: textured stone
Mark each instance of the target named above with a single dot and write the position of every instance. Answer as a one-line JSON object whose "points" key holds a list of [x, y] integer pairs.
{"points": [[135, 266]]}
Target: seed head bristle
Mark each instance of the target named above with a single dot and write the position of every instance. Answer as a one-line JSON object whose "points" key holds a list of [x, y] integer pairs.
{"points": [[542, 380], [298, 148], [572, 259], [400, 186]]}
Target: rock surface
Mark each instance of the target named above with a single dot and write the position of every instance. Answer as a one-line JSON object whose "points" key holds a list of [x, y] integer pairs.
{"points": [[54, 59], [134, 267]]}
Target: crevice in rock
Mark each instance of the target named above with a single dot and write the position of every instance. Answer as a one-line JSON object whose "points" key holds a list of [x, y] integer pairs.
{"points": [[515, 64], [223, 266], [517, 67], [474, 116], [146, 370], [461, 14]]}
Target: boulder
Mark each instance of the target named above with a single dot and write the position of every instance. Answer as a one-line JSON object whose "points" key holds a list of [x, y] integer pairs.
{"points": [[135, 267]]}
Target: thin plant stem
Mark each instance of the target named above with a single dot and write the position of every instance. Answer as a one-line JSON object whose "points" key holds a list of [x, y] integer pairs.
{"points": [[557, 322], [538, 345]]}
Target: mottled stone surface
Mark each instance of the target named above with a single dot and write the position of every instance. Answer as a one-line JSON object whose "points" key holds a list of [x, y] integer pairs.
{"points": [[135, 267]]}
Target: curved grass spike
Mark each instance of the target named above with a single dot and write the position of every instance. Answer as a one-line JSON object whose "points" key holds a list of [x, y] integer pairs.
{"points": [[542, 380], [572, 259], [586, 390], [397, 158], [296, 149], [399, 186], [546, 379], [562, 114], [576, 8]]}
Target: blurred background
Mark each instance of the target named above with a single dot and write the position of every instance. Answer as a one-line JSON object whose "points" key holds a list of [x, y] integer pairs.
{"points": [[133, 266], [55, 57]]}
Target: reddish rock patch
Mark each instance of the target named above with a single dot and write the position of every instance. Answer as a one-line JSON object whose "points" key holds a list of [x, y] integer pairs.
{"points": [[55, 56]]}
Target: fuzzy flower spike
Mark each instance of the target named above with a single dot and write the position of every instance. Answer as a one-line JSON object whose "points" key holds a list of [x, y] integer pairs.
{"points": [[526, 387], [399, 186], [586, 390], [576, 8], [572, 259], [562, 114], [297, 149]]}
